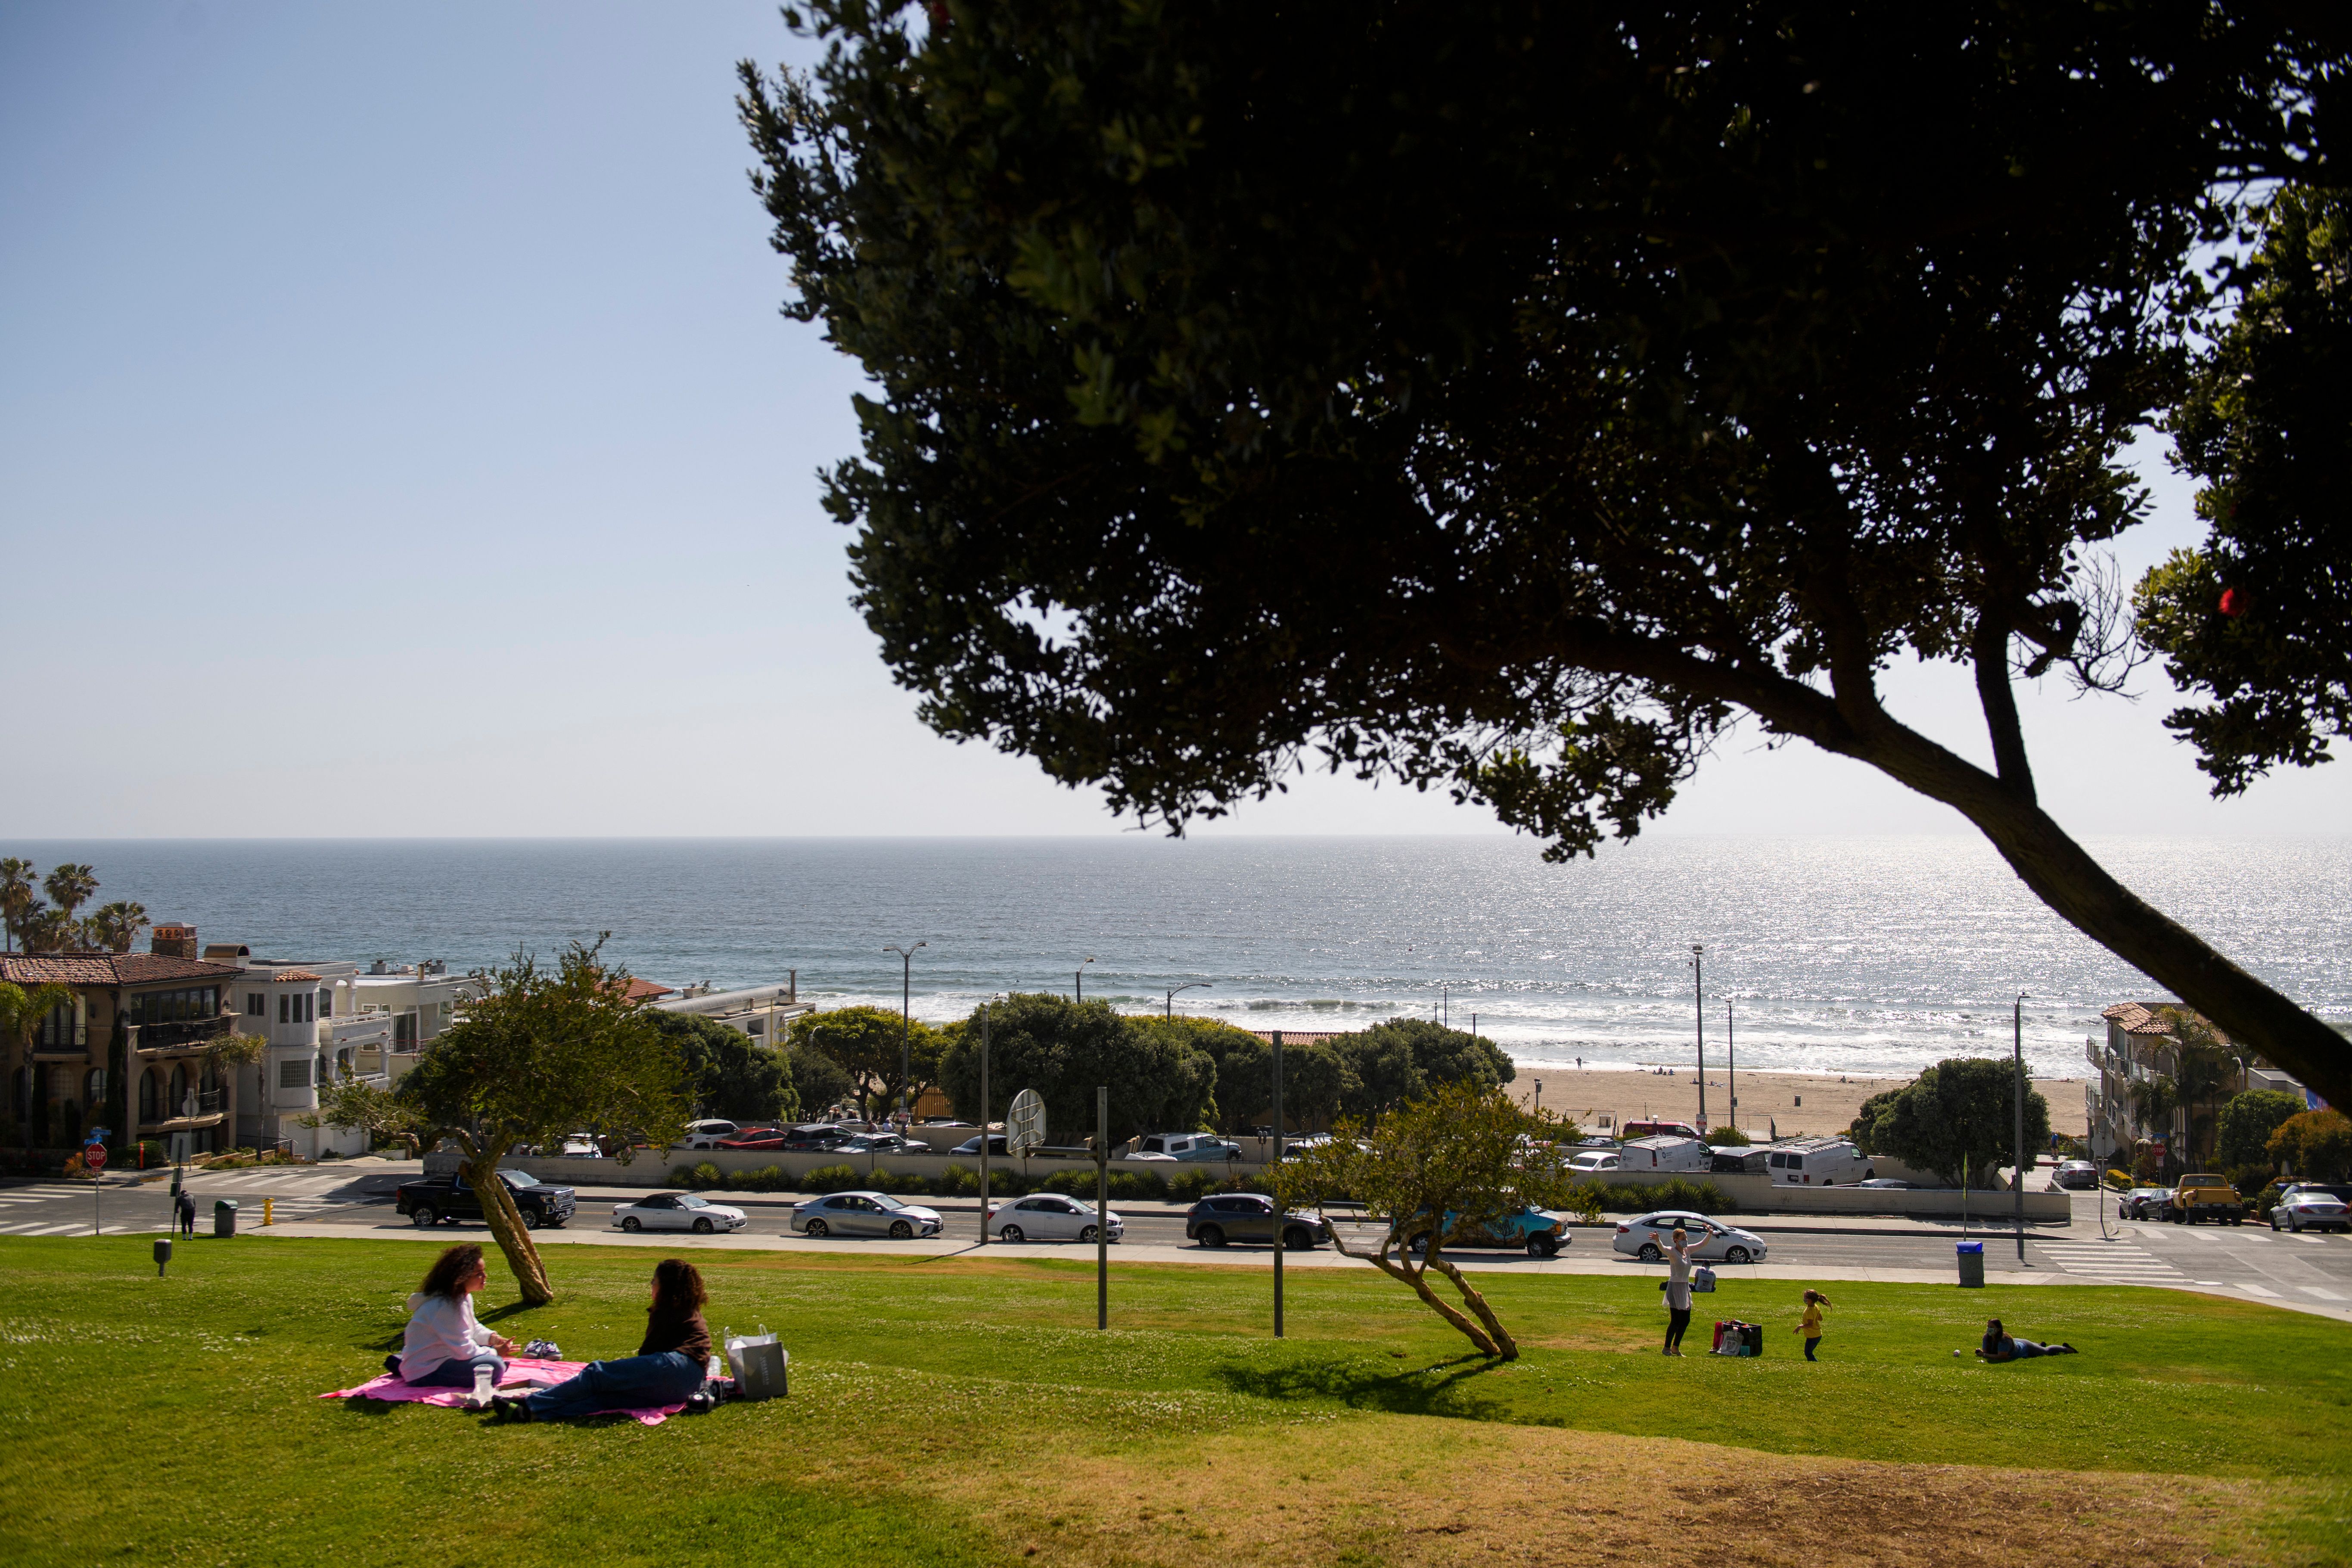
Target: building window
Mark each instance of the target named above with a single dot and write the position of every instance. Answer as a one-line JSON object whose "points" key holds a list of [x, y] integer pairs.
{"points": [[256, 1004], [403, 1031], [294, 1073], [93, 1086], [149, 1098], [57, 1028], [285, 1007], [327, 1004]]}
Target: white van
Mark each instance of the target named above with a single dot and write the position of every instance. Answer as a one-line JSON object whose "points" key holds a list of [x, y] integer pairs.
{"points": [[1817, 1162], [1666, 1154]]}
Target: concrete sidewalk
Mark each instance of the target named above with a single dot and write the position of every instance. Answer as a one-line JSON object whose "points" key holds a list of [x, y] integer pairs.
{"points": [[943, 1249]]}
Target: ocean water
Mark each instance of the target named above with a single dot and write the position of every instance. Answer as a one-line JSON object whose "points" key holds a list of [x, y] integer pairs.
{"points": [[1859, 955]]}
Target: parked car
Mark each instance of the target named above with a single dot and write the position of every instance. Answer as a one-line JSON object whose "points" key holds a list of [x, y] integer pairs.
{"points": [[2144, 1203], [1187, 1146], [678, 1211], [1711, 1241], [817, 1138], [863, 1214], [1539, 1232], [1250, 1216], [2311, 1205], [1882, 1183], [433, 1200], [1817, 1162], [1594, 1160], [998, 1148], [1633, 1129], [2204, 1197], [2077, 1173], [580, 1146], [881, 1144], [706, 1133], [1049, 1216]]}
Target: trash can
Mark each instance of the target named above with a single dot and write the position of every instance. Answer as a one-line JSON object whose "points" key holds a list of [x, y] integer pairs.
{"points": [[1972, 1266], [225, 1223]]}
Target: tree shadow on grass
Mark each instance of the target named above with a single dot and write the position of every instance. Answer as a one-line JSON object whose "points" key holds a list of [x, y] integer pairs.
{"points": [[1447, 1388]]}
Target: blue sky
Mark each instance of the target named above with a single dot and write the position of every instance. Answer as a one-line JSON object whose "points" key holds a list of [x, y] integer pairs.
{"points": [[398, 435]]}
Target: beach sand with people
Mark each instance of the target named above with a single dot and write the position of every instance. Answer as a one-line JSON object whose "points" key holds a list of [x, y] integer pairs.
{"points": [[1788, 1103]]}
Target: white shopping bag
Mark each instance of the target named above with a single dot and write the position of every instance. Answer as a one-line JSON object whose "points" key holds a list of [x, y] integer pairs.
{"points": [[762, 1366]]}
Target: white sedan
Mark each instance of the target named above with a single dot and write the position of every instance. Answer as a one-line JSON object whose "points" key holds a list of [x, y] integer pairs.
{"points": [[1592, 1160], [2312, 1208], [1049, 1216], [678, 1211], [1648, 1237]]}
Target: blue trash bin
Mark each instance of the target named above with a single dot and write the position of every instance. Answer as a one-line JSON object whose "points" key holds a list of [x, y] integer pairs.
{"points": [[1972, 1266]]}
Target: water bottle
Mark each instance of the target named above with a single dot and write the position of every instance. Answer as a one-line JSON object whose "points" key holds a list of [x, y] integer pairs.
{"points": [[482, 1387], [716, 1368]]}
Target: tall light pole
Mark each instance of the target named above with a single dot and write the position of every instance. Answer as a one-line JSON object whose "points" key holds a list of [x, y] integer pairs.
{"points": [[1082, 980], [1731, 1047], [1281, 1219], [906, 1023], [2017, 1180], [1699, 994], [1168, 1005]]}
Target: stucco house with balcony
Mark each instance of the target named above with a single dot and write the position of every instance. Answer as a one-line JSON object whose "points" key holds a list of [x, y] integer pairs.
{"points": [[139, 1038], [2139, 1046]]}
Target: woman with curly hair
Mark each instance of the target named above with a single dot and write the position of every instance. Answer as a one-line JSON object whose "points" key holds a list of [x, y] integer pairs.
{"points": [[443, 1343], [666, 1369]]}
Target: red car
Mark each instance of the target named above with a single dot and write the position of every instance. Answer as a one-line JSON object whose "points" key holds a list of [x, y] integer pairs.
{"points": [[755, 1138]]}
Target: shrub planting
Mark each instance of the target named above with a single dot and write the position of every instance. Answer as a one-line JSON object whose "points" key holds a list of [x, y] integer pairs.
{"points": [[899, 1181], [833, 1179], [1137, 1186], [1193, 1183], [766, 1179], [957, 1182], [697, 1177]]}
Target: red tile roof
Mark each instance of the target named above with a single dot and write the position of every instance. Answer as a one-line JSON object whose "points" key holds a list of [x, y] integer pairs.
{"points": [[647, 990], [2136, 1018], [106, 968], [293, 974]]}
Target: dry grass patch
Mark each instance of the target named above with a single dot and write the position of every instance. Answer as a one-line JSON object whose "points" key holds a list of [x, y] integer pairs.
{"points": [[1397, 1489]]}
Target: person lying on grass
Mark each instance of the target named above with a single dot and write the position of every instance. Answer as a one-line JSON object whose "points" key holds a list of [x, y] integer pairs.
{"points": [[443, 1344], [1999, 1345], [667, 1368]]}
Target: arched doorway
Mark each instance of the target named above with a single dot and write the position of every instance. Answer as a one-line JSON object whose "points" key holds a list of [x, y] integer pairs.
{"points": [[151, 1097]]}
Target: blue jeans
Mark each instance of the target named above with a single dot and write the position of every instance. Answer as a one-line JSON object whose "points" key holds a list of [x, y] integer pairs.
{"points": [[455, 1372], [1808, 1347], [634, 1383], [2027, 1349]]}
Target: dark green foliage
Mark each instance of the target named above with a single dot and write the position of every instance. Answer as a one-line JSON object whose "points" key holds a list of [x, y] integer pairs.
{"points": [[2267, 426], [957, 1182], [1159, 1080], [818, 1080], [1728, 1137], [1961, 1110], [1622, 1197], [1509, 399], [697, 1177], [766, 1179], [834, 1179], [1190, 1183], [731, 1076], [1864, 1127], [889, 1181], [878, 1048], [2247, 1123]]}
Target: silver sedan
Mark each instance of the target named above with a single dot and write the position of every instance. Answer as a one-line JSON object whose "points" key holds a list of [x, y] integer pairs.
{"points": [[863, 1214], [1049, 1216]]}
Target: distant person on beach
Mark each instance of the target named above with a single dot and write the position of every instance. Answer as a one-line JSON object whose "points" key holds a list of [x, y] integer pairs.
{"points": [[1810, 1326], [443, 1344], [2000, 1345], [1678, 1290]]}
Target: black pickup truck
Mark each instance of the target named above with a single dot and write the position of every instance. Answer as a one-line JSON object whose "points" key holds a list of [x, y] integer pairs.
{"points": [[429, 1202]]}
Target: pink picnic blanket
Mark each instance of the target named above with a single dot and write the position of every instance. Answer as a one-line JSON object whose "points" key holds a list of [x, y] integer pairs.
{"points": [[389, 1385]]}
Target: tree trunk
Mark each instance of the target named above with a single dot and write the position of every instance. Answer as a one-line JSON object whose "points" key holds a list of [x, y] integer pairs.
{"points": [[505, 1225], [1412, 1277], [1502, 1343], [2064, 876]]}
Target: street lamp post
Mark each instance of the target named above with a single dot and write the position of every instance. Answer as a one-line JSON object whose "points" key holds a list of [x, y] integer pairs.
{"points": [[1167, 1006], [906, 1023], [2017, 1178], [1082, 980], [1699, 994]]}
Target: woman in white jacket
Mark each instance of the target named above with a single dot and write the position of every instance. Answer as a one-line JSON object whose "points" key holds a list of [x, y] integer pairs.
{"points": [[443, 1344]]}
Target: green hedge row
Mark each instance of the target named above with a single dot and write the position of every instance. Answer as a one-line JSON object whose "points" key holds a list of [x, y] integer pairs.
{"points": [[1186, 1183]]}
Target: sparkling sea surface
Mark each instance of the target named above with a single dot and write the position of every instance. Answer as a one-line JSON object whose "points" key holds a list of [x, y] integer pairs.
{"points": [[1852, 955]]}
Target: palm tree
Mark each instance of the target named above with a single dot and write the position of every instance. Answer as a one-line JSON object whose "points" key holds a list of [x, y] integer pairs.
{"points": [[116, 926], [71, 886], [48, 930], [16, 899], [21, 1012]]}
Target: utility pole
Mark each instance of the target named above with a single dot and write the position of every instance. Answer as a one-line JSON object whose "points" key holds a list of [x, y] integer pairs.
{"points": [[1102, 1206], [906, 1023], [1281, 1226], [1168, 1004], [1731, 1047], [986, 1008], [1698, 992], [1081, 980], [2017, 1022]]}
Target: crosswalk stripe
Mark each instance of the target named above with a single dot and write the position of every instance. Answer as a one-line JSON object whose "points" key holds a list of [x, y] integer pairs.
{"points": [[2251, 1289], [2323, 1295]]}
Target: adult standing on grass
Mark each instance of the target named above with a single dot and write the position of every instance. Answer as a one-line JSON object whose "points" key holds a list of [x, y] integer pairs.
{"points": [[443, 1345], [1810, 1325], [667, 1368], [1678, 1290], [187, 1207]]}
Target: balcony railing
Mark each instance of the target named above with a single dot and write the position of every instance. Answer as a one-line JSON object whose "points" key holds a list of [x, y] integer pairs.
{"points": [[186, 1031]]}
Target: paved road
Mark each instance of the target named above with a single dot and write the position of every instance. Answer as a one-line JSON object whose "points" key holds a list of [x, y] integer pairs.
{"points": [[2311, 1269]]}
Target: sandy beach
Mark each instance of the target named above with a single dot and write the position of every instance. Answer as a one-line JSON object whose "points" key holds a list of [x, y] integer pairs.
{"points": [[1782, 1102]]}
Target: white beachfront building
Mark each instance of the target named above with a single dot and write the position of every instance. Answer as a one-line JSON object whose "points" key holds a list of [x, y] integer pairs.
{"points": [[321, 1021]]}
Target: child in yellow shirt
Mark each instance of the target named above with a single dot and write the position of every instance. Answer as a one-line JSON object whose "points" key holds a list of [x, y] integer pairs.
{"points": [[1810, 1326]]}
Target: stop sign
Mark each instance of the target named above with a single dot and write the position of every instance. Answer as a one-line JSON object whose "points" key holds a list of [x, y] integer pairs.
{"points": [[94, 1156]]}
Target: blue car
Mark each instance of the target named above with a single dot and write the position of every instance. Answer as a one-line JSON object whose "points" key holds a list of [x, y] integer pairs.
{"points": [[1539, 1232]]}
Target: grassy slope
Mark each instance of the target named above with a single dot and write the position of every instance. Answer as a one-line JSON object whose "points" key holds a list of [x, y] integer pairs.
{"points": [[172, 1419]]}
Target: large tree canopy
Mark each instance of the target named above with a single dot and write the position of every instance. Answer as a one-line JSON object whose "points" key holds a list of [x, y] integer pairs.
{"points": [[1507, 398]]}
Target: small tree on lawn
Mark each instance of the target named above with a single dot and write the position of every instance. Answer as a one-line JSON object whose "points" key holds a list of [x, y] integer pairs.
{"points": [[541, 1054], [1433, 1170], [1962, 1109]]}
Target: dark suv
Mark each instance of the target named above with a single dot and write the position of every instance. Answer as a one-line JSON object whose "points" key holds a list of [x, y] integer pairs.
{"points": [[438, 1198], [1249, 1217]]}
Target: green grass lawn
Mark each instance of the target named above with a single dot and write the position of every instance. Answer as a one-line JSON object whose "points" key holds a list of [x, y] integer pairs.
{"points": [[174, 1420]]}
